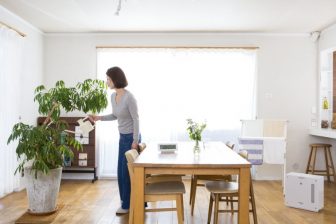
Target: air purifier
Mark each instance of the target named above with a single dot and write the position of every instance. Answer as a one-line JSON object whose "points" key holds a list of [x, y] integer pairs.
{"points": [[304, 191]]}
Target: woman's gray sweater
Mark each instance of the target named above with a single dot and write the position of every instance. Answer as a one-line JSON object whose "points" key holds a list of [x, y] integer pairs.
{"points": [[126, 112]]}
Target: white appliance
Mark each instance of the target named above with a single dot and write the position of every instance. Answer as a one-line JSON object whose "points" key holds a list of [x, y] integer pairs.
{"points": [[304, 191]]}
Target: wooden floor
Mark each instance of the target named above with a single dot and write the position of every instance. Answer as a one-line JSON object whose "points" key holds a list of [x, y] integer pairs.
{"points": [[85, 202]]}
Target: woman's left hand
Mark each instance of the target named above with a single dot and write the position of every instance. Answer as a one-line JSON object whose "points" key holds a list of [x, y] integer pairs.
{"points": [[135, 146]]}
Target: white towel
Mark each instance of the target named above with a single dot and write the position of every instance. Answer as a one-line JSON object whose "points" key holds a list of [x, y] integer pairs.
{"points": [[254, 148], [274, 150]]}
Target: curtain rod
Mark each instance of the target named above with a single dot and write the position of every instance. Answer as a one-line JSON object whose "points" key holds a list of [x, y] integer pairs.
{"points": [[186, 47], [12, 28]]}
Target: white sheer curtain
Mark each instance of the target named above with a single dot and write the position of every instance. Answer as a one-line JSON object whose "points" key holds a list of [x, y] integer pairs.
{"points": [[11, 45], [215, 85]]}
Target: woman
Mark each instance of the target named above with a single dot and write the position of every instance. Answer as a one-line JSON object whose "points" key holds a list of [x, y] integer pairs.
{"points": [[125, 110]]}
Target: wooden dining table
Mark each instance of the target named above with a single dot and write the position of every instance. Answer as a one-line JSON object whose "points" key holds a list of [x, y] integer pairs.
{"points": [[214, 158]]}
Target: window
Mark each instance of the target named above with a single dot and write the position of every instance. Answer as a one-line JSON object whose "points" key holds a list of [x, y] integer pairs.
{"points": [[215, 85], [11, 48]]}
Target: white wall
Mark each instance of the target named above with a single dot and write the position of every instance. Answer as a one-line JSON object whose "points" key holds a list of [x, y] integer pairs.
{"points": [[32, 67], [286, 72]]}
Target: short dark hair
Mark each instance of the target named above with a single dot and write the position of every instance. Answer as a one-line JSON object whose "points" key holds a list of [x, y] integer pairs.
{"points": [[117, 76]]}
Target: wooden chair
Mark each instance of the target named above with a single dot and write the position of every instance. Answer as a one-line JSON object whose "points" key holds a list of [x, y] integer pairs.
{"points": [[230, 144], [227, 192], [142, 147], [159, 191], [200, 180]]}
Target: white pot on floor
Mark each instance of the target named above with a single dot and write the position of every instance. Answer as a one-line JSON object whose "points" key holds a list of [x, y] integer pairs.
{"points": [[42, 191]]}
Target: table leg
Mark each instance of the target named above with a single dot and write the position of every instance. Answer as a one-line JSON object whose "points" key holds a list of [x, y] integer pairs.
{"points": [[139, 195], [244, 189]]}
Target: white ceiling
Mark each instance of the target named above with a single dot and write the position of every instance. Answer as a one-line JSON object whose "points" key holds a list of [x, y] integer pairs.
{"points": [[256, 16]]}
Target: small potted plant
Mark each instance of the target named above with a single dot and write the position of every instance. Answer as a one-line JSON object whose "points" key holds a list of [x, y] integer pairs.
{"points": [[195, 133], [41, 149]]}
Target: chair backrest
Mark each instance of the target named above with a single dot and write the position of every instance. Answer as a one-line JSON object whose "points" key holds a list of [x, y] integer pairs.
{"points": [[142, 146], [244, 154], [230, 144], [131, 156]]}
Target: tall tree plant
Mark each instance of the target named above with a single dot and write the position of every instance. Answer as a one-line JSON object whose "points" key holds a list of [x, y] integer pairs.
{"points": [[47, 144]]}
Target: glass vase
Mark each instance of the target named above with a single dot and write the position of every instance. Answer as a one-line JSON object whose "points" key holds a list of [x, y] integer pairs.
{"points": [[197, 147]]}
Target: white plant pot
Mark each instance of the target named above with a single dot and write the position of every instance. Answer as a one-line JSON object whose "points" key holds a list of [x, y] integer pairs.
{"points": [[42, 191]]}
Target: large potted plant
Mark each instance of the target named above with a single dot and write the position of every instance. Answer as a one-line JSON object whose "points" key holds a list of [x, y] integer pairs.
{"points": [[41, 149]]}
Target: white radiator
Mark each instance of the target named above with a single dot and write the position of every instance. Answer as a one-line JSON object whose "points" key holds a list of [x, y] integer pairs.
{"points": [[304, 191]]}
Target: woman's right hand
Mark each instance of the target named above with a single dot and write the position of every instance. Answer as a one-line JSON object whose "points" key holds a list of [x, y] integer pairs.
{"points": [[94, 118]]}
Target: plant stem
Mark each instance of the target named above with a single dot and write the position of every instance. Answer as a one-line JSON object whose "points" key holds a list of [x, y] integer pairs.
{"points": [[50, 112]]}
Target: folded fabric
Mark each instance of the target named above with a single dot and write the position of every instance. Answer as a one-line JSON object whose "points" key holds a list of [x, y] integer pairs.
{"points": [[254, 148], [274, 150]]}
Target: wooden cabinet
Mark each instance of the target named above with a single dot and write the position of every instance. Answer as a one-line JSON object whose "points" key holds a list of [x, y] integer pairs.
{"points": [[87, 162]]}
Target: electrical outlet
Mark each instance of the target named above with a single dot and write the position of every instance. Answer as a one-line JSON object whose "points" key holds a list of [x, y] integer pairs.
{"points": [[295, 166]]}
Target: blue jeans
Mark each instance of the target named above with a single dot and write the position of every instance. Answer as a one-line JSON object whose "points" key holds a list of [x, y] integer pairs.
{"points": [[125, 144]]}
